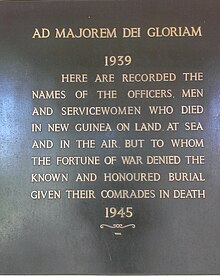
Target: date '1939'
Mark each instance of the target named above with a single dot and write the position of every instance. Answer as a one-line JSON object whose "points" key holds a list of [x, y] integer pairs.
{"points": [[118, 60]]}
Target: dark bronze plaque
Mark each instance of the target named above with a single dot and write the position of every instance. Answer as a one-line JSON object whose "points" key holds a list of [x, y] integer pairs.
{"points": [[109, 137]]}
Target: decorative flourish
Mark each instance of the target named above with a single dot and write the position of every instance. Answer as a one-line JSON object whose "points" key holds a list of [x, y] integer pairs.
{"points": [[117, 225], [132, 225], [118, 234]]}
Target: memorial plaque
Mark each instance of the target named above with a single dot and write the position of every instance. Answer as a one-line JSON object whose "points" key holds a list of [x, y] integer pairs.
{"points": [[110, 137]]}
